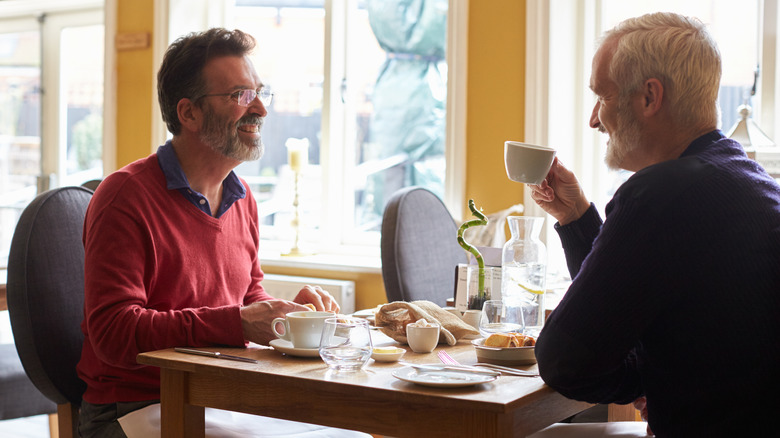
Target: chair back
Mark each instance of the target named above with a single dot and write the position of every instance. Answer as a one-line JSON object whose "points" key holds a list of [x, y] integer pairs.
{"points": [[419, 247], [92, 184], [46, 291]]}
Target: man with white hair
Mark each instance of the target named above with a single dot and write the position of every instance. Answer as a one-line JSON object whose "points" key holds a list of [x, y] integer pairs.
{"points": [[676, 294]]}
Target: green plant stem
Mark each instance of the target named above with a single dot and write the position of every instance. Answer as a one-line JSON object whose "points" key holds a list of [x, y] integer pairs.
{"points": [[481, 220]]}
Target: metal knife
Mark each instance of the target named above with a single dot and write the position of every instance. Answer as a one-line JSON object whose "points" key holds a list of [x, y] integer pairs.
{"points": [[451, 368], [215, 354]]}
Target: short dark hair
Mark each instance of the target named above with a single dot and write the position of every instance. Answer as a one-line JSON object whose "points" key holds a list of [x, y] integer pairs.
{"points": [[181, 72]]}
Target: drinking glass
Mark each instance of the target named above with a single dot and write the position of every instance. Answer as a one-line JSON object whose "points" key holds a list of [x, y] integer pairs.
{"points": [[346, 343], [499, 317]]}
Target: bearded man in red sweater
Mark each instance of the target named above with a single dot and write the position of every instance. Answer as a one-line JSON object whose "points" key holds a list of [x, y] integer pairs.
{"points": [[171, 240]]}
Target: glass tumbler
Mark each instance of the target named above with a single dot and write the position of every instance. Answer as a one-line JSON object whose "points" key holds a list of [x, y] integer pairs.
{"points": [[345, 344], [500, 317]]}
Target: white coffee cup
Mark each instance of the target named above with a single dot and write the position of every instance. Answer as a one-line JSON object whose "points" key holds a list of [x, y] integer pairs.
{"points": [[527, 163], [422, 339], [302, 329]]}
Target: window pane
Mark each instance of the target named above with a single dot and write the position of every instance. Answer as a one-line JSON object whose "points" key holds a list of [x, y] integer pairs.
{"points": [[20, 141], [81, 91], [391, 94], [289, 57], [401, 116]]}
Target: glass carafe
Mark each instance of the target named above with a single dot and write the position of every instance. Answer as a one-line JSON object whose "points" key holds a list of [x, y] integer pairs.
{"points": [[524, 267]]}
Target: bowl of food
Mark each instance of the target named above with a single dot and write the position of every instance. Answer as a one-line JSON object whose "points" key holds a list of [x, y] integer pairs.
{"points": [[506, 349], [387, 354]]}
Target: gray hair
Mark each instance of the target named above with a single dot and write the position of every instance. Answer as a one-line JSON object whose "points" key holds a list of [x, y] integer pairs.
{"points": [[678, 51]]}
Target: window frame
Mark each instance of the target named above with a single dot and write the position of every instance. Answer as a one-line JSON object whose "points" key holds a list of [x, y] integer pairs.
{"points": [[334, 238], [49, 18], [27, 16]]}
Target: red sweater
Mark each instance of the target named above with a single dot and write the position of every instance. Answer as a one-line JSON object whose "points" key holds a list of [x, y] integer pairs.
{"points": [[159, 273]]}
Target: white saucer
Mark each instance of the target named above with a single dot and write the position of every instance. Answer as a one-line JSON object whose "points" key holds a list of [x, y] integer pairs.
{"points": [[286, 347], [441, 379], [365, 313]]}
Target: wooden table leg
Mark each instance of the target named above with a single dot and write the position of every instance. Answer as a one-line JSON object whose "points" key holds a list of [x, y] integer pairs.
{"points": [[627, 412], [178, 418]]}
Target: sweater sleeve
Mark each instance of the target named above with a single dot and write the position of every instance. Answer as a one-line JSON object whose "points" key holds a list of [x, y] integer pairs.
{"points": [[585, 350], [577, 238]]}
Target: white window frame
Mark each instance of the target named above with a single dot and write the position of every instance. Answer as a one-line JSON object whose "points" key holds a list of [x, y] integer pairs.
{"points": [[334, 115], [25, 16]]}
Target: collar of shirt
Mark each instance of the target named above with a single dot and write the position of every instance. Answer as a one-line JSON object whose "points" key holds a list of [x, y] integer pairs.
{"points": [[703, 142], [232, 189]]}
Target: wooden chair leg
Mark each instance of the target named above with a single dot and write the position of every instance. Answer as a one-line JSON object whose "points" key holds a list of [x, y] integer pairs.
{"points": [[53, 431], [67, 421]]}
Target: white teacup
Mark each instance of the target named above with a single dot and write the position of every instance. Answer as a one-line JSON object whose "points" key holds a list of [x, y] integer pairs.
{"points": [[302, 329], [422, 339], [527, 163]]}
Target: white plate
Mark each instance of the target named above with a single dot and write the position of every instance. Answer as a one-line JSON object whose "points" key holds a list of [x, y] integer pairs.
{"points": [[441, 379], [286, 347], [365, 313]]}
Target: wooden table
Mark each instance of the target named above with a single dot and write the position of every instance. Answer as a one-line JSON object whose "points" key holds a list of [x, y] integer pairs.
{"points": [[3, 279], [3, 299], [371, 400]]}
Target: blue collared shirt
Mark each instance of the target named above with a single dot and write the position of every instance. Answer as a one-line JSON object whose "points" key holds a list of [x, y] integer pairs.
{"points": [[232, 189]]}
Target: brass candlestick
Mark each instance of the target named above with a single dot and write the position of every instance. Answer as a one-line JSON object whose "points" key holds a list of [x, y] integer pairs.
{"points": [[298, 158], [296, 250]]}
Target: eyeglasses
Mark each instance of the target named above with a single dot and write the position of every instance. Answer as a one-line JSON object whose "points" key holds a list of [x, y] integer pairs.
{"points": [[246, 96]]}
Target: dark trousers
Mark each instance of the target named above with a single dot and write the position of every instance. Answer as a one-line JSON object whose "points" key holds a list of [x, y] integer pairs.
{"points": [[100, 421]]}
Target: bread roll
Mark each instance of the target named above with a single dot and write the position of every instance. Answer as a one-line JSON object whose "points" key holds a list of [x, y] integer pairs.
{"points": [[501, 340], [509, 340]]}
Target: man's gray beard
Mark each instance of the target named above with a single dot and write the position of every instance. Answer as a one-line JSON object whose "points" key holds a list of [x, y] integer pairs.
{"points": [[227, 142], [625, 139]]}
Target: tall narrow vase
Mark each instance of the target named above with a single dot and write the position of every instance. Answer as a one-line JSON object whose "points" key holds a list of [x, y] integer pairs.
{"points": [[524, 268]]}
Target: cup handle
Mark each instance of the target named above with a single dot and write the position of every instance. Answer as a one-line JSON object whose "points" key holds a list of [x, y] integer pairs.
{"points": [[282, 321]]}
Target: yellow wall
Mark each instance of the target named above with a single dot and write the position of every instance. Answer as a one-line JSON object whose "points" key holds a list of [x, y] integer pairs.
{"points": [[135, 74], [496, 99], [496, 82]]}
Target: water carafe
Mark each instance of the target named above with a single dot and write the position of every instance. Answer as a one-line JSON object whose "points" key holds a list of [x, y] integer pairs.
{"points": [[524, 267]]}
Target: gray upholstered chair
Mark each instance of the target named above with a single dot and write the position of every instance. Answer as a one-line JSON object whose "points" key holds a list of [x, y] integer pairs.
{"points": [[92, 184], [46, 297], [419, 247]]}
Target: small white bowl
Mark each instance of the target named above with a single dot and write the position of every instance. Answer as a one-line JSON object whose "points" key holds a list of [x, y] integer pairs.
{"points": [[387, 354], [504, 355], [422, 339]]}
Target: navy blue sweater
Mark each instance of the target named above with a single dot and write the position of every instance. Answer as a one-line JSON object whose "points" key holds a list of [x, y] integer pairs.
{"points": [[676, 296]]}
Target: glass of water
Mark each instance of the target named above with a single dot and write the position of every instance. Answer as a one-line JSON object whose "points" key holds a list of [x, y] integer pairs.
{"points": [[499, 317], [345, 344]]}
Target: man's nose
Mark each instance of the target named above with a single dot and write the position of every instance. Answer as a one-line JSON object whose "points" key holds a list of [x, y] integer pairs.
{"points": [[594, 117], [257, 105]]}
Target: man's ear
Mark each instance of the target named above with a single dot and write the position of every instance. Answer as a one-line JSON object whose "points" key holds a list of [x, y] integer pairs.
{"points": [[652, 97], [189, 114]]}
